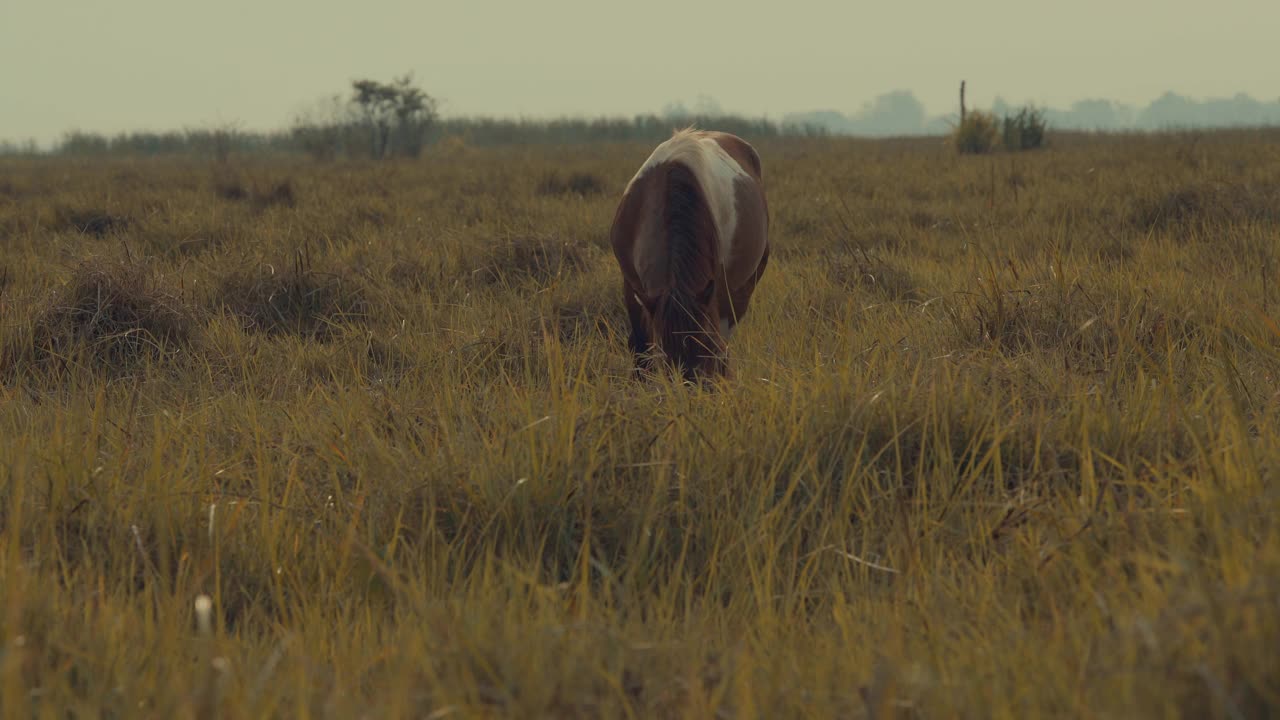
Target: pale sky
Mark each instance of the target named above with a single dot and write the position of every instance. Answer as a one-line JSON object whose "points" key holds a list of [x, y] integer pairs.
{"points": [[168, 64]]}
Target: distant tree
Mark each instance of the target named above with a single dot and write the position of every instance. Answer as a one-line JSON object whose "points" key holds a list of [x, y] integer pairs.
{"points": [[26, 147], [893, 113], [707, 106], [704, 108], [1094, 114], [217, 140], [1169, 110], [675, 110], [376, 103], [78, 142], [322, 129], [396, 115], [378, 119]]}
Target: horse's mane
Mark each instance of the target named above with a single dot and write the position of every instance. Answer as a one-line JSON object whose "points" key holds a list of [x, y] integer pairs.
{"points": [[692, 249]]}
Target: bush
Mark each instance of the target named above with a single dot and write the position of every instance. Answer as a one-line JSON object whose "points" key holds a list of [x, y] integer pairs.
{"points": [[1024, 130], [976, 134]]}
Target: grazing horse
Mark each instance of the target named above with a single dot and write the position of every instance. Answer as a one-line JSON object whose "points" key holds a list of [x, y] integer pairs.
{"points": [[691, 236]]}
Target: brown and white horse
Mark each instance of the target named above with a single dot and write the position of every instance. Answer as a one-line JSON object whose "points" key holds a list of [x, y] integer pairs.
{"points": [[691, 235]]}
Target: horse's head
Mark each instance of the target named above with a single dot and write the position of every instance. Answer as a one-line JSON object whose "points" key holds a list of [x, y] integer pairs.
{"points": [[686, 329]]}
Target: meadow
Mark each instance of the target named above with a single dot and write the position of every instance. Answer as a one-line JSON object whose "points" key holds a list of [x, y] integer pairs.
{"points": [[286, 438]]}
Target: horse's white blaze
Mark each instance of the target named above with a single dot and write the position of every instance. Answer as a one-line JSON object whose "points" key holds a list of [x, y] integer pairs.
{"points": [[716, 172]]}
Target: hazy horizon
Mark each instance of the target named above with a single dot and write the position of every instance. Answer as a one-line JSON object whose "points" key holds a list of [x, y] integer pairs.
{"points": [[152, 65]]}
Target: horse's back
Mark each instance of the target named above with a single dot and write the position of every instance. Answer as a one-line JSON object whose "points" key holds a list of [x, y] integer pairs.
{"points": [[742, 153], [729, 174]]}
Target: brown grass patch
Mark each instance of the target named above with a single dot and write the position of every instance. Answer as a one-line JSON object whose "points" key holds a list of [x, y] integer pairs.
{"points": [[294, 299], [582, 317], [91, 221], [114, 314], [260, 197], [580, 184], [1204, 204], [855, 268], [537, 259]]}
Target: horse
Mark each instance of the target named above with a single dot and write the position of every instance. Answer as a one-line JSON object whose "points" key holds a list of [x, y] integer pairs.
{"points": [[691, 237]]}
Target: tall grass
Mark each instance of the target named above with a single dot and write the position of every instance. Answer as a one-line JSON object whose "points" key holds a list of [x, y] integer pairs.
{"points": [[994, 448]]}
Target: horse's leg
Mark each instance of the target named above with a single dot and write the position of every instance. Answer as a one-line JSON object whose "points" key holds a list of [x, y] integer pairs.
{"points": [[740, 299], [639, 341], [730, 316]]}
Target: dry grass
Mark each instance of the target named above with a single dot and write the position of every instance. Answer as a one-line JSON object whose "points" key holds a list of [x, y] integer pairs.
{"points": [[1003, 441], [110, 315], [577, 183]]}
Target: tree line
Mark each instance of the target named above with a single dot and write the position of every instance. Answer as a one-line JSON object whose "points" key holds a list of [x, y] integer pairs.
{"points": [[377, 120]]}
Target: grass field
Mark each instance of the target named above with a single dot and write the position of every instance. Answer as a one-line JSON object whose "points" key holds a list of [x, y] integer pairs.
{"points": [[1003, 440]]}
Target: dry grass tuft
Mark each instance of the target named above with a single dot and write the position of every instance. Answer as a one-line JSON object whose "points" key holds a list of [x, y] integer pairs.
{"points": [[854, 268], [580, 184], [593, 313], [91, 221], [113, 315], [534, 258], [230, 188], [294, 298], [1201, 204], [260, 197]]}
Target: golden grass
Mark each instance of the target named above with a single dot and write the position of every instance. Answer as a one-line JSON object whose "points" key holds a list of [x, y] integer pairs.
{"points": [[1003, 441]]}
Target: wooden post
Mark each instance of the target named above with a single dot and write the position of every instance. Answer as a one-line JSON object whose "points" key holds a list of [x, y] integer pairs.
{"points": [[961, 102]]}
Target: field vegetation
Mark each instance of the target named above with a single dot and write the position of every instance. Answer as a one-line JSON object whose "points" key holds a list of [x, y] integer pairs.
{"points": [[286, 438]]}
